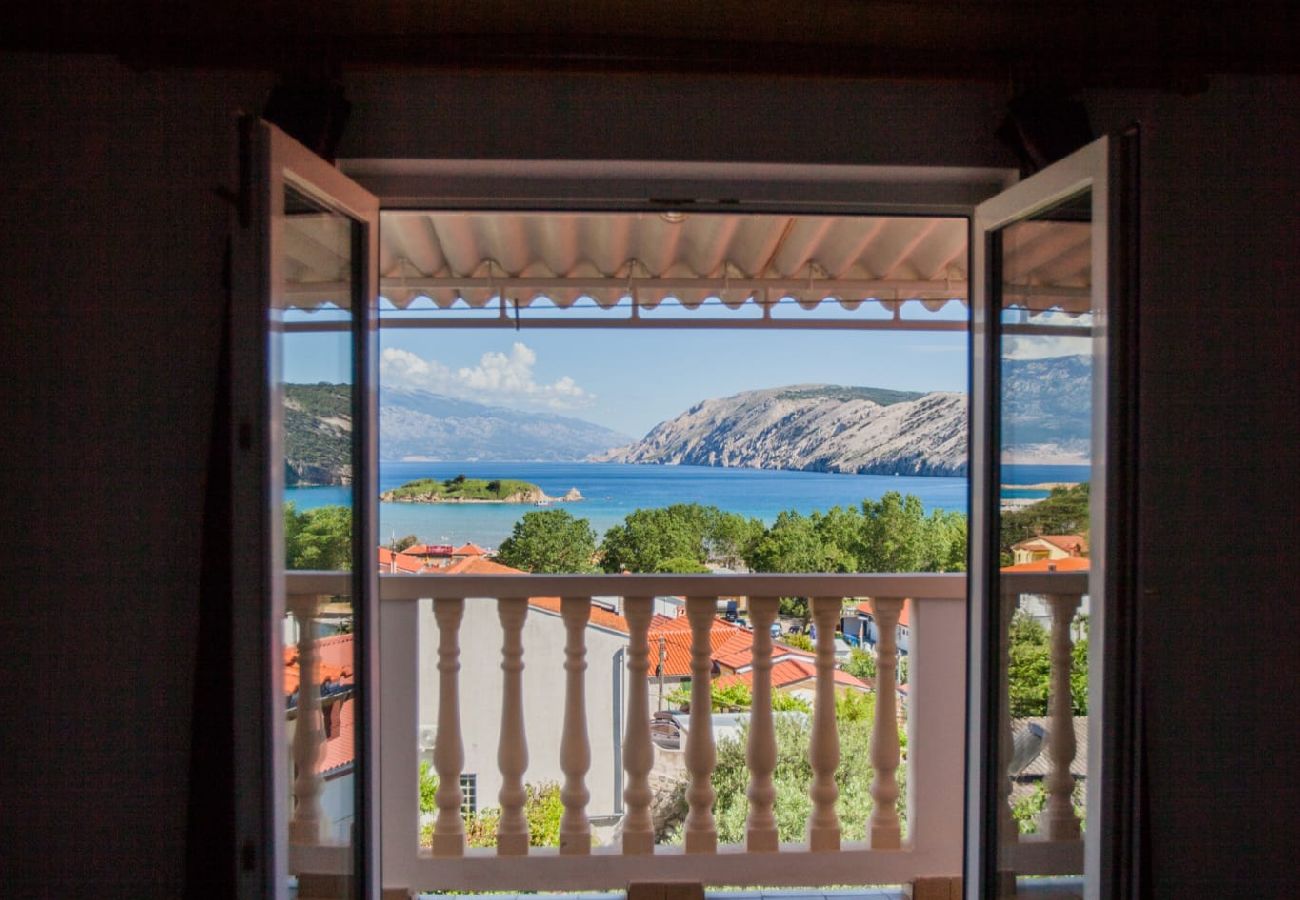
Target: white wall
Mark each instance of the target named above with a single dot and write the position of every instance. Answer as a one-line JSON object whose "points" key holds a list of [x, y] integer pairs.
{"points": [[544, 678]]}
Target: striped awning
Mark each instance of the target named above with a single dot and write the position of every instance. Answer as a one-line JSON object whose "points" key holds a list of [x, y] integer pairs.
{"points": [[479, 260]]}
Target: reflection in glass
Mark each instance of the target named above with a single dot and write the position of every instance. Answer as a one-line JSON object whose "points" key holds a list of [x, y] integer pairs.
{"points": [[320, 686], [1044, 416]]}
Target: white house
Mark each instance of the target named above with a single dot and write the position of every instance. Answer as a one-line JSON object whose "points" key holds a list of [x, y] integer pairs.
{"points": [[481, 683]]}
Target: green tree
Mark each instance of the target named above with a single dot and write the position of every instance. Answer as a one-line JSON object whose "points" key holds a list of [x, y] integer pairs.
{"points": [[1029, 666], [404, 543], [682, 537], [1079, 668], [549, 541], [1063, 511], [319, 538], [793, 544], [798, 641], [428, 787], [895, 537], [793, 776], [861, 664], [649, 537]]}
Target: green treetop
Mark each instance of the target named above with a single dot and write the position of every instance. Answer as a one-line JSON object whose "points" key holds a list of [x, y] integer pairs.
{"points": [[549, 541]]}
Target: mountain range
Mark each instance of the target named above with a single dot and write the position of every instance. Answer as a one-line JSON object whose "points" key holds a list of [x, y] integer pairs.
{"points": [[416, 424], [812, 427], [837, 428]]}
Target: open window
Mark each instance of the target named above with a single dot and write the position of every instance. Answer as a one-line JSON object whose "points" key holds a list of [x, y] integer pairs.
{"points": [[304, 677], [312, 237], [1052, 279]]}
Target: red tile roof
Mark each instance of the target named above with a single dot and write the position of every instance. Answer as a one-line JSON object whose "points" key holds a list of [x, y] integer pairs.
{"points": [[479, 565], [789, 672], [470, 549], [400, 563], [1074, 544], [742, 656], [1064, 564], [724, 637], [334, 655], [904, 617], [340, 750]]}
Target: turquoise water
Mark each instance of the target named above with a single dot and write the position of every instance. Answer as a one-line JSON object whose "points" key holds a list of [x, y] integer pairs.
{"points": [[612, 490]]}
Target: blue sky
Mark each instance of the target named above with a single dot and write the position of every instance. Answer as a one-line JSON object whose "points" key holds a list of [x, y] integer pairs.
{"points": [[630, 380]]}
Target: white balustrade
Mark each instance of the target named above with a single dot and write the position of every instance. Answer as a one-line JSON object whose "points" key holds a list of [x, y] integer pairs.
{"points": [[936, 731], [449, 750], [638, 752], [883, 829], [760, 751], [512, 748], [701, 755], [575, 749], [1058, 821], [309, 726], [824, 746]]}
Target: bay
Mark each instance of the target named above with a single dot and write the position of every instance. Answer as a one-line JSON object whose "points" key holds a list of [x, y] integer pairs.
{"points": [[612, 490]]}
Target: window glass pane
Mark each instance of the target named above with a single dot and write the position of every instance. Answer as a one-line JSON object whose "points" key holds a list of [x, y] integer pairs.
{"points": [[1044, 417], [315, 394]]}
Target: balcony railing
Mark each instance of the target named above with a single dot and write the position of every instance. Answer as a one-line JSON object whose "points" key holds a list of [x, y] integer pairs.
{"points": [[930, 847]]}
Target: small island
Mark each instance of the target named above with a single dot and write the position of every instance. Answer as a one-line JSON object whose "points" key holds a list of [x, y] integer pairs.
{"points": [[474, 490]]}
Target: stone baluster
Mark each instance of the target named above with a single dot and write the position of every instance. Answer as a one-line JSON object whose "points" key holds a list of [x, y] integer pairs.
{"points": [[760, 752], [824, 746], [309, 727], [701, 756], [512, 749], [883, 830], [1058, 821], [1007, 828], [449, 750], [638, 752], [575, 750]]}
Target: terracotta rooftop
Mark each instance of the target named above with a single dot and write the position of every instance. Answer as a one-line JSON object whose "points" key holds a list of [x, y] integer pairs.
{"points": [[727, 643], [1064, 564], [400, 563], [1074, 544], [479, 565], [789, 672], [335, 659], [470, 549]]}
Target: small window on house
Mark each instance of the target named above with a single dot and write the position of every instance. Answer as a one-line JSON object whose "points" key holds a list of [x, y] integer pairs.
{"points": [[468, 795]]}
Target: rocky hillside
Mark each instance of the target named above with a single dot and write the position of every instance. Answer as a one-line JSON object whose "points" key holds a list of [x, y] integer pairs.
{"points": [[819, 428], [834, 428], [317, 434]]}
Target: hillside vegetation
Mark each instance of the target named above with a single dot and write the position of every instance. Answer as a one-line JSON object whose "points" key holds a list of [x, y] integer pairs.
{"points": [[317, 434], [460, 488]]}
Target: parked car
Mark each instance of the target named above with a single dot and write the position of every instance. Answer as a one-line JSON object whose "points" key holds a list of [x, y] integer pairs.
{"points": [[775, 630]]}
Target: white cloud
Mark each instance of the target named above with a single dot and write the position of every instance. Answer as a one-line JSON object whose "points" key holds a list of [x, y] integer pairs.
{"points": [[501, 378], [1035, 346]]}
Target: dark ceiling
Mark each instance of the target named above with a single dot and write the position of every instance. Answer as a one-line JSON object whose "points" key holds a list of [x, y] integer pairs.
{"points": [[1133, 43]]}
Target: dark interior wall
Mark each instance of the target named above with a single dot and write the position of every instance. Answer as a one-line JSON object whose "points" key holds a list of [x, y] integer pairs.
{"points": [[619, 116], [1220, 427], [112, 241]]}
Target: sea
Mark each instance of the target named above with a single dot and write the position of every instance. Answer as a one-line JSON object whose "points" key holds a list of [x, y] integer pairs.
{"points": [[612, 490]]}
